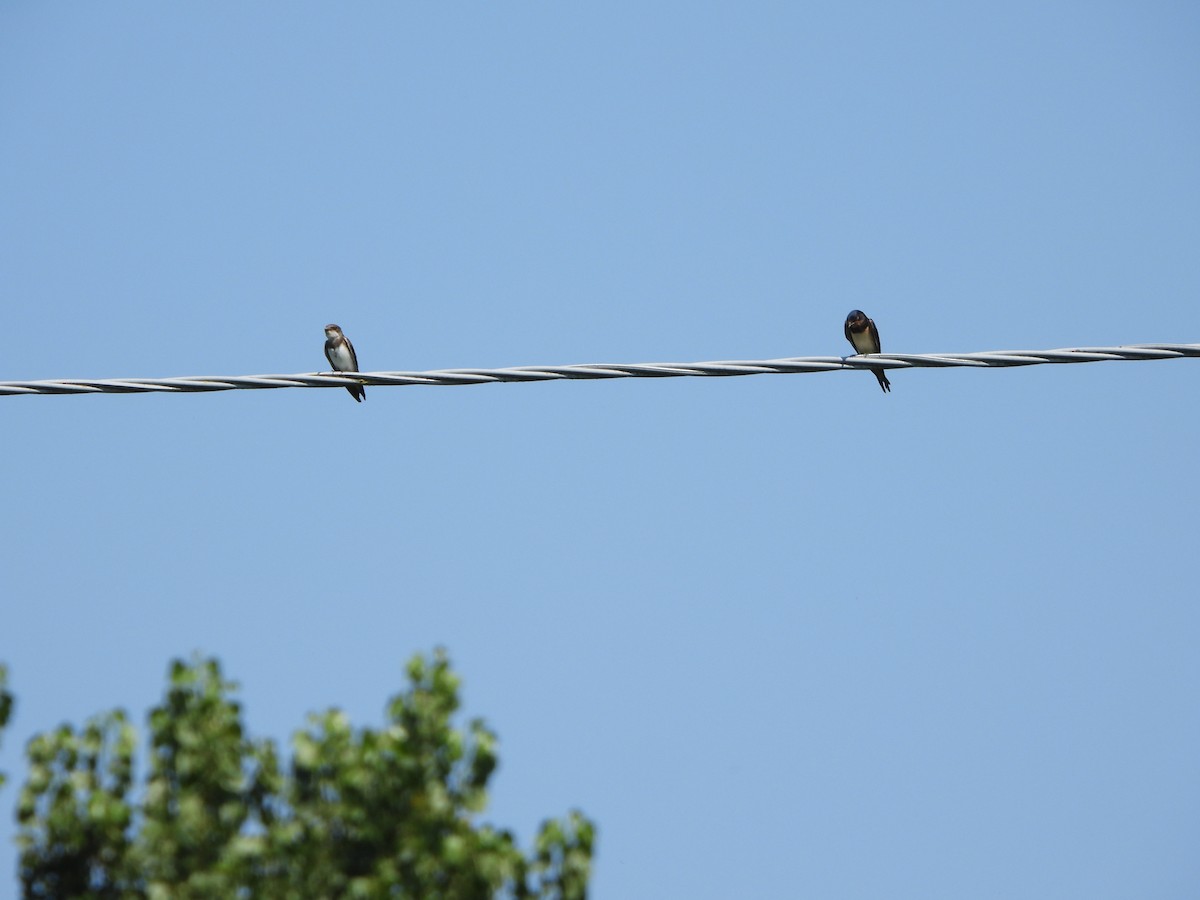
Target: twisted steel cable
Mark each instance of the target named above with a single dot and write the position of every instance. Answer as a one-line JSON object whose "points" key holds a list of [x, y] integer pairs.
{"points": [[790, 366]]}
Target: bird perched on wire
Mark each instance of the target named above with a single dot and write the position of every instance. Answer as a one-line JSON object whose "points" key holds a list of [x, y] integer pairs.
{"points": [[864, 338], [340, 353]]}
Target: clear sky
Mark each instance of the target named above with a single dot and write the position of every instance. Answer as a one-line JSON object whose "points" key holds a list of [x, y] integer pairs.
{"points": [[778, 636]]}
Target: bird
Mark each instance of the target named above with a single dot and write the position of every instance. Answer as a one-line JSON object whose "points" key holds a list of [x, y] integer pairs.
{"points": [[864, 338], [340, 353]]}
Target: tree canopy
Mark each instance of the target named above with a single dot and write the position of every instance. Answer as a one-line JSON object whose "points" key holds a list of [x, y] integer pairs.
{"points": [[368, 813], [6, 705]]}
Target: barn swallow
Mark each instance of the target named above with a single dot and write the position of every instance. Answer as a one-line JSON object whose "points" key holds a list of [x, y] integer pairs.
{"points": [[340, 353], [864, 338]]}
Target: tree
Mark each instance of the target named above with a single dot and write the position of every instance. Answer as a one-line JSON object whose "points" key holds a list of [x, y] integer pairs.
{"points": [[6, 705], [359, 813]]}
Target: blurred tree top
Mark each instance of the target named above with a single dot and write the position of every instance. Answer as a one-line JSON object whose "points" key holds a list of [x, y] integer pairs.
{"points": [[6, 705], [364, 813]]}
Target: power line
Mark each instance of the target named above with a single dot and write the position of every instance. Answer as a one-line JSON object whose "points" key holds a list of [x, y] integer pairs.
{"points": [[790, 366]]}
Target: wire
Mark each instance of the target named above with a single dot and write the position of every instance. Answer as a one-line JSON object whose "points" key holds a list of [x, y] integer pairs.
{"points": [[790, 366]]}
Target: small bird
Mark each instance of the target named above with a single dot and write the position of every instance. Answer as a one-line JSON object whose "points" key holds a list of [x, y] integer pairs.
{"points": [[864, 338], [340, 353]]}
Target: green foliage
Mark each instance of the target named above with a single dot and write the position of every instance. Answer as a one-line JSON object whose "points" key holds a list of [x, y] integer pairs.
{"points": [[76, 798], [6, 706], [361, 813]]}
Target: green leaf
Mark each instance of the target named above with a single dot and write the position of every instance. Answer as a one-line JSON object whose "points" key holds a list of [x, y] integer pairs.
{"points": [[356, 812]]}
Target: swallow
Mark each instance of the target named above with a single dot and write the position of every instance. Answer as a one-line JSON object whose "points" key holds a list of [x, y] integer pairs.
{"points": [[340, 353], [864, 338]]}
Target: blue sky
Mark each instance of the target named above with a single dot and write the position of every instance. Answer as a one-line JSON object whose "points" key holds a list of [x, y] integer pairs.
{"points": [[782, 635]]}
